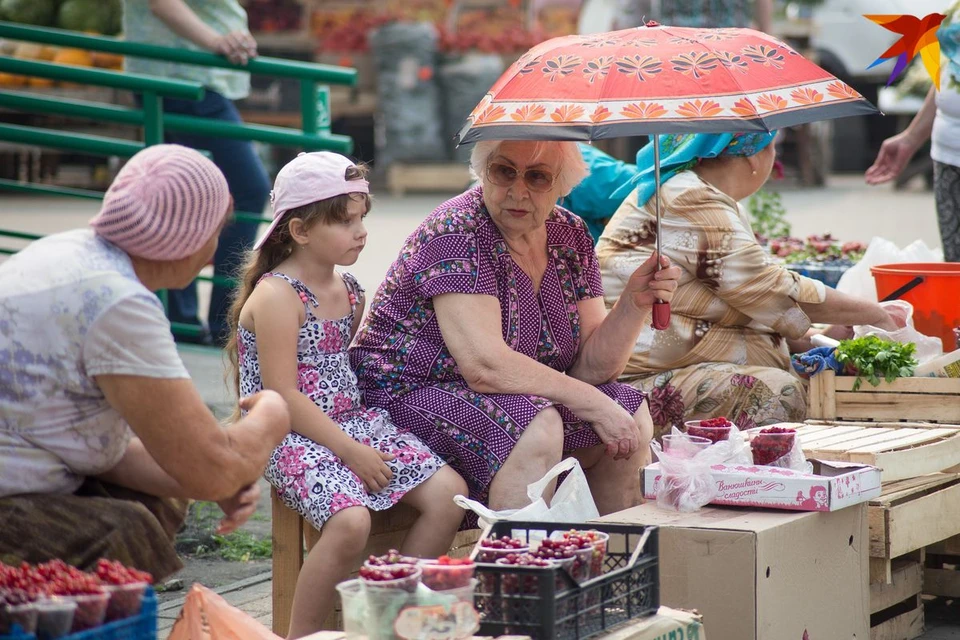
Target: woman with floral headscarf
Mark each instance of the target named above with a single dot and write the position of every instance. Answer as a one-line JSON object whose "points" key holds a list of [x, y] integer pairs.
{"points": [[736, 315]]}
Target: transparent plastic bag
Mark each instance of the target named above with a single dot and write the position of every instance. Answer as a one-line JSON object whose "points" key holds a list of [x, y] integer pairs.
{"points": [[928, 347], [686, 481], [793, 459]]}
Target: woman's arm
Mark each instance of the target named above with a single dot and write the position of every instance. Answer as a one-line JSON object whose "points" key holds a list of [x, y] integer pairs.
{"points": [[608, 339], [207, 461], [896, 151], [238, 46], [840, 308], [470, 325]]}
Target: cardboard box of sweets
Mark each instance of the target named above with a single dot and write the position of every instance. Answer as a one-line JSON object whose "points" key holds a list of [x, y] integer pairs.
{"points": [[832, 486]]}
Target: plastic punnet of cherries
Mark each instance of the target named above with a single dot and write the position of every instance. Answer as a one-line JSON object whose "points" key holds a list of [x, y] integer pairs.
{"points": [[54, 599], [394, 571], [767, 445]]}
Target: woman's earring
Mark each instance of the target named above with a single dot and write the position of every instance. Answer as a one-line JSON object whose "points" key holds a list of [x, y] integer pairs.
{"points": [[754, 172]]}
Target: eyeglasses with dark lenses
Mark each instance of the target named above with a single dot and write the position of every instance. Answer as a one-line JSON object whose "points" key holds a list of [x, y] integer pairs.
{"points": [[505, 175]]}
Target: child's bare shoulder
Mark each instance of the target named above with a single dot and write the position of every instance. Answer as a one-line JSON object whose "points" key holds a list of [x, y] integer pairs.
{"points": [[276, 295]]}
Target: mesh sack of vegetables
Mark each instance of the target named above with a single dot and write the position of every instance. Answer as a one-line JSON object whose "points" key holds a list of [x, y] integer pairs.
{"points": [[464, 80], [409, 127]]}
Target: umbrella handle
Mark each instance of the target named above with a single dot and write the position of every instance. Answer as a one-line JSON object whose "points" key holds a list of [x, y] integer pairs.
{"points": [[661, 315]]}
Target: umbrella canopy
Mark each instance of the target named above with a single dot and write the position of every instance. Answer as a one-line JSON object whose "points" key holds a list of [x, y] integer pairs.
{"points": [[658, 79]]}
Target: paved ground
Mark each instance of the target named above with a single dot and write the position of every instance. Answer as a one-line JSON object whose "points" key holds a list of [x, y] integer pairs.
{"points": [[846, 207]]}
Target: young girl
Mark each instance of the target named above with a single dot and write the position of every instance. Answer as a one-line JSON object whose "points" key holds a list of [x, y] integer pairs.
{"points": [[293, 319]]}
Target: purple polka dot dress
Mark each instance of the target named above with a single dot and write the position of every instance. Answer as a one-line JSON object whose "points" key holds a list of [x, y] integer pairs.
{"points": [[308, 477], [404, 366]]}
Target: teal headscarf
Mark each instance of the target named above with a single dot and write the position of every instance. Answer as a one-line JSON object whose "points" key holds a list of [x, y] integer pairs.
{"points": [[610, 181], [681, 152]]}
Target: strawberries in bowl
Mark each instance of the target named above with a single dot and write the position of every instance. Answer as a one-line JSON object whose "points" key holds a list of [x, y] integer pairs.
{"points": [[446, 573], [771, 444], [714, 429]]}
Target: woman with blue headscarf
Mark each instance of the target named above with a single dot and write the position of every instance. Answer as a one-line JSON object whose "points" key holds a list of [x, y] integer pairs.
{"points": [[736, 315]]}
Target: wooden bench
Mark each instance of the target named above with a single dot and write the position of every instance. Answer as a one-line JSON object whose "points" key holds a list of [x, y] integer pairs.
{"points": [[291, 532]]}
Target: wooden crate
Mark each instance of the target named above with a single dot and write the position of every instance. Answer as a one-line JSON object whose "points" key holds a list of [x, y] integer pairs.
{"points": [[901, 449], [942, 572], [910, 515], [450, 177], [896, 609], [831, 397]]}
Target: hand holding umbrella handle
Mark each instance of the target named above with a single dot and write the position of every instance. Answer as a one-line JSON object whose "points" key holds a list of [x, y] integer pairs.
{"points": [[661, 315]]}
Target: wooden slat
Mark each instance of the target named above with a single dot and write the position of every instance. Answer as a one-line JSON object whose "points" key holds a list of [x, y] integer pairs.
{"points": [[833, 435], [881, 571], [907, 580], [913, 488], [822, 400], [863, 438], [890, 425], [920, 386], [942, 582], [287, 560], [894, 407], [921, 522], [904, 627], [910, 438]]}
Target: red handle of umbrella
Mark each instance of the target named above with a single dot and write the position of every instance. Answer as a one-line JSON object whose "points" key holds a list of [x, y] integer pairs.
{"points": [[661, 315]]}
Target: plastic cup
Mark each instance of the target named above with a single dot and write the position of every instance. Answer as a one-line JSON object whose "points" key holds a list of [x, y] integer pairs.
{"points": [[444, 577], [684, 446], [55, 618], [767, 448], [24, 615], [91, 610], [490, 556], [408, 583], [713, 434], [125, 600]]}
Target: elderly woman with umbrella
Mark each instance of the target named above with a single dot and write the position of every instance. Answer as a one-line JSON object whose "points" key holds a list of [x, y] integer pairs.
{"points": [[489, 338]]}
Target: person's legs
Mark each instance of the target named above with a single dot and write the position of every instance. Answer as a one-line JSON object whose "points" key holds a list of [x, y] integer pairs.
{"points": [[81, 529], [433, 532], [250, 188], [536, 452], [615, 484], [946, 191], [342, 540], [749, 396]]}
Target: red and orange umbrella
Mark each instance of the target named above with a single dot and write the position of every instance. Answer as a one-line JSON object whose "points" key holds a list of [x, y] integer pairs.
{"points": [[657, 79]]}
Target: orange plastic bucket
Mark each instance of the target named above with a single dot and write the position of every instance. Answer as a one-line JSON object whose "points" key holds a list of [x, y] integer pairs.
{"points": [[932, 288]]}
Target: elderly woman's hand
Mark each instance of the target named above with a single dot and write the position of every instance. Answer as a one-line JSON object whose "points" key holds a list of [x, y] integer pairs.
{"points": [[648, 284], [238, 508], [617, 429]]}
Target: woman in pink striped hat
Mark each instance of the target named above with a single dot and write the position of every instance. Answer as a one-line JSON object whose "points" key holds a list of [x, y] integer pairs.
{"points": [[95, 403]]}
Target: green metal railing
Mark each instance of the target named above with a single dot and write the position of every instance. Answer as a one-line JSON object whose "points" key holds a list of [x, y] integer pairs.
{"points": [[150, 117]]}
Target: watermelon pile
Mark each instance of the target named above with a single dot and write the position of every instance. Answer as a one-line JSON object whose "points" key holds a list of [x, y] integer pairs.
{"points": [[91, 16]]}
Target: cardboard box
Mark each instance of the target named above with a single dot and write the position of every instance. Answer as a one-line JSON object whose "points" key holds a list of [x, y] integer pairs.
{"points": [[764, 575], [832, 486]]}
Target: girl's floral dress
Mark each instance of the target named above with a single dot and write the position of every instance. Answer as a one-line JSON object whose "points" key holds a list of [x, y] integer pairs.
{"points": [[308, 477]]}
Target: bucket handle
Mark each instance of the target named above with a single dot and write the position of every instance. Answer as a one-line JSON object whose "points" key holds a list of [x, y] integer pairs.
{"points": [[910, 286]]}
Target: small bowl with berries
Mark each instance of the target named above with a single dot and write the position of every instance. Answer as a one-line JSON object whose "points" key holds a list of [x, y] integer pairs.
{"points": [[446, 573], [402, 577], [125, 586], [771, 444], [714, 429], [489, 550]]}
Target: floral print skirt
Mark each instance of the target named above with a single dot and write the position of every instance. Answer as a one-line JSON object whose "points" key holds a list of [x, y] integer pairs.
{"points": [[749, 396], [315, 483]]}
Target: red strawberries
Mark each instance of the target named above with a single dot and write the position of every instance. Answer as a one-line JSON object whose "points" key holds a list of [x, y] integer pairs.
{"points": [[771, 444]]}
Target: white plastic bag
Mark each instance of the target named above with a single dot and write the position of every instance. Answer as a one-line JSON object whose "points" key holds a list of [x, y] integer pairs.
{"points": [[858, 281], [928, 347], [572, 501], [686, 482]]}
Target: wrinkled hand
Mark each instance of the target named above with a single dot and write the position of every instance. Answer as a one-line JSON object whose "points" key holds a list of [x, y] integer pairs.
{"points": [[238, 508], [838, 332], [647, 284], [370, 466], [895, 153], [238, 47], [617, 429]]}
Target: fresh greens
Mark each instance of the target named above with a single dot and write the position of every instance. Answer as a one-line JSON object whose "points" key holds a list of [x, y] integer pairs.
{"points": [[873, 359]]}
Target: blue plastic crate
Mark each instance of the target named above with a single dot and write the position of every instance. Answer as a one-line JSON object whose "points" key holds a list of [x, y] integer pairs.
{"points": [[139, 627]]}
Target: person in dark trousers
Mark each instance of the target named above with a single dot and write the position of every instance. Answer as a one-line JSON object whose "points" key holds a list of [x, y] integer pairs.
{"points": [[219, 26]]}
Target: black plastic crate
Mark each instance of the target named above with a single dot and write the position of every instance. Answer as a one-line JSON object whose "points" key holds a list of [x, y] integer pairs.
{"points": [[550, 604]]}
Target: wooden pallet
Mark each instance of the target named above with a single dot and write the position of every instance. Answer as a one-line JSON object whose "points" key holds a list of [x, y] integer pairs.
{"points": [[896, 609], [831, 397], [910, 515], [901, 449], [942, 572], [450, 177]]}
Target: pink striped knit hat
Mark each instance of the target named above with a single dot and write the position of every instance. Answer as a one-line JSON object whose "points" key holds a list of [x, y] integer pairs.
{"points": [[165, 203]]}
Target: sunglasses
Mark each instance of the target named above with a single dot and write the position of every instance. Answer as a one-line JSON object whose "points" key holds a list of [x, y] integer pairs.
{"points": [[505, 175]]}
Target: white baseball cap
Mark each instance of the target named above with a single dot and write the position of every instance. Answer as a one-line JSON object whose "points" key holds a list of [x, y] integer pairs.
{"points": [[308, 178]]}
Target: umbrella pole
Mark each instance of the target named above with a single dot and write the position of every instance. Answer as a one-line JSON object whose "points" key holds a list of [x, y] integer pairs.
{"points": [[661, 309]]}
